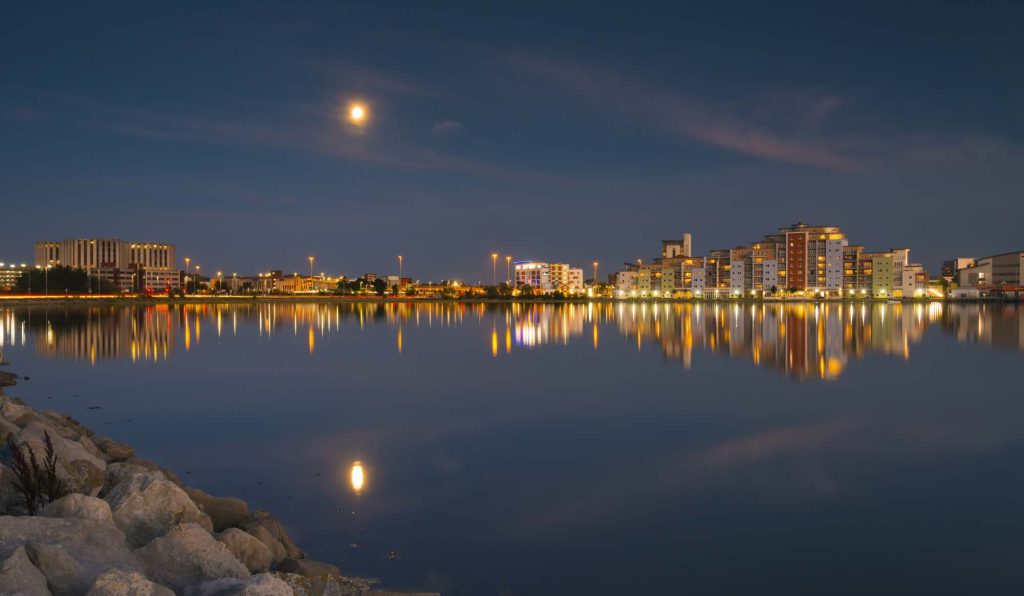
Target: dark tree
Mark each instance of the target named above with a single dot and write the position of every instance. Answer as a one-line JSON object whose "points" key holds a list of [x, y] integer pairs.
{"points": [[60, 280]]}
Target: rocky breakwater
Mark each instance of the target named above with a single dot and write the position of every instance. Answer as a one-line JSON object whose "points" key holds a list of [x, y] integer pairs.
{"points": [[119, 525]]}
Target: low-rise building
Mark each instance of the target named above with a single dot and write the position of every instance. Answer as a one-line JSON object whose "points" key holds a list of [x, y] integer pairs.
{"points": [[549, 277], [994, 271]]}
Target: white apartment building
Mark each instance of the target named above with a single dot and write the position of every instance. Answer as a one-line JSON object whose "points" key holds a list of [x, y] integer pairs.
{"points": [[549, 277], [625, 283], [534, 274]]}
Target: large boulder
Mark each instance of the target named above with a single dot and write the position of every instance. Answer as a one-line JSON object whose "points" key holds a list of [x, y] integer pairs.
{"points": [[145, 507], [118, 472], [121, 583], [277, 550], [19, 576], [188, 556], [308, 568], [113, 450], [69, 552], [64, 574], [262, 519], [325, 585], [248, 549], [263, 584], [79, 506], [69, 428], [77, 465], [224, 512], [15, 411]]}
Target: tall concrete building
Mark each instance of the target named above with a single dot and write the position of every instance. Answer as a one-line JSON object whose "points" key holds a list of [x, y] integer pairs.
{"points": [[129, 266]]}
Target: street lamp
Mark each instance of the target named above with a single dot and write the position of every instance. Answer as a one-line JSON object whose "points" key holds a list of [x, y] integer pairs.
{"points": [[196, 282], [187, 261], [508, 269], [399, 269], [311, 259], [220, 281], [494, 268], [595, 274]]}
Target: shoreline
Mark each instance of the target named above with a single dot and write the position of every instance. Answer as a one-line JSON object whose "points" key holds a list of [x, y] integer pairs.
{"points": [[268, 299], [120, 524]]}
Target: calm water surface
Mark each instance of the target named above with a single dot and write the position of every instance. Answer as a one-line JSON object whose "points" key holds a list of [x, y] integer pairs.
{"points": [[605, 449]]}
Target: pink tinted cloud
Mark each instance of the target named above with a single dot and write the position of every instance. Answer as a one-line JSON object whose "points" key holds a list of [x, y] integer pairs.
{"points": [[783, 126]]}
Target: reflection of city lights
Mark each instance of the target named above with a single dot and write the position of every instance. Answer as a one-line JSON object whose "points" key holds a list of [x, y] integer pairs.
{"points": [[806, 341], [357, 477]]}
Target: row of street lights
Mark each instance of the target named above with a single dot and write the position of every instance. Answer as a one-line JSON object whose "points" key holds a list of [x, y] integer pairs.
{"points": [[494, 268]]}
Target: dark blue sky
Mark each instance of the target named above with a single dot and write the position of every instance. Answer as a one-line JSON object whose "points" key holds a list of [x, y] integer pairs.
{"points": [[564, 133]]}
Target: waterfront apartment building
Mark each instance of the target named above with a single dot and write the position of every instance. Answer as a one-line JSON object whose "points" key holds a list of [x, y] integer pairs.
{"points": [[129, 266], [799, 259], [549, 277]]}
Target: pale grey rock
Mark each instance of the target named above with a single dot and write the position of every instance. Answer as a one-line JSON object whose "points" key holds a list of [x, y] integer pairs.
{"points": [[120, 471], [15, 411], [277, 550], [95, 543], [308, 568], [79, 506], [19, 576], [115, 451], [261, 518], [68, 426], [145, 507], [64, 574], [224, 512], [153, 467], [122, 583], [248, 549], [263, 584], [325, 585], [81, 469], [188, 556]]}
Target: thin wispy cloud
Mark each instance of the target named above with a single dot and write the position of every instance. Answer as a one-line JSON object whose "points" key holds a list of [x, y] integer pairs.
{"points": [[783, 126], [447, 127], [314, 130]]}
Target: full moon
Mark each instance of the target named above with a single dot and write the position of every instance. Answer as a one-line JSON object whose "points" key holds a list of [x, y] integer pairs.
{"points": [[357, 114]]}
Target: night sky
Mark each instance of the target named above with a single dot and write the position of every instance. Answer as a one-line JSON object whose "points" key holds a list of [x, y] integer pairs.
{"points": [[563, 133]]}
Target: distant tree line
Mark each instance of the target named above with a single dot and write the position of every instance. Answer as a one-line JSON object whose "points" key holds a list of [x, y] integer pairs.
{"points": [[361, 285], [62, 280]]}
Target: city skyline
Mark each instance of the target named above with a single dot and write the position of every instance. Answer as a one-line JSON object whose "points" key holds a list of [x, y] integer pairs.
{"points": [[574, 134]]}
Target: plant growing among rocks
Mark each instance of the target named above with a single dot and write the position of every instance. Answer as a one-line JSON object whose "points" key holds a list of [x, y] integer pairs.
{"points": [[38, 484]]}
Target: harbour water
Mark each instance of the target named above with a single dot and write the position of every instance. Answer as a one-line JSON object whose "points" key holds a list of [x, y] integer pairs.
{"points": [[579, 448]]}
